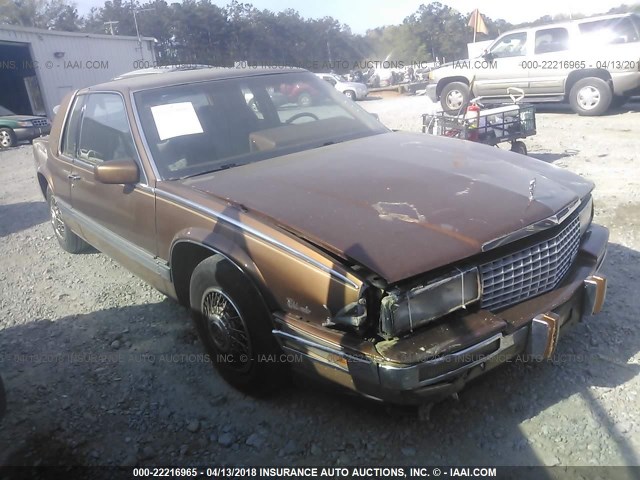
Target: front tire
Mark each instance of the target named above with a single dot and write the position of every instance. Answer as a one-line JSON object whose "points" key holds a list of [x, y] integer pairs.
{"points": [[68, 240], [235, 327], [519, 147], [304, 100], [351, 95], [454, 97], [7, 138], [590, 96]]}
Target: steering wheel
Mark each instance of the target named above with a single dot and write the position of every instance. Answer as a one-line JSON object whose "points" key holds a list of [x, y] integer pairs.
{"points": [[300, 115]]}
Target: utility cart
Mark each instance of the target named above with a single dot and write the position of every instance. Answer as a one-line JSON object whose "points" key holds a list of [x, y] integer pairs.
{"points": [[503, 123]]}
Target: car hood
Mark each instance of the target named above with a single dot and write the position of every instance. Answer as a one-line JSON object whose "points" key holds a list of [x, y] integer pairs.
{"points": [[399, 204]]}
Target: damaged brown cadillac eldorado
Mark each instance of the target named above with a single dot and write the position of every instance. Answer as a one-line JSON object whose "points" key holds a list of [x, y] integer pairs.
{"points": [[398, 265]]}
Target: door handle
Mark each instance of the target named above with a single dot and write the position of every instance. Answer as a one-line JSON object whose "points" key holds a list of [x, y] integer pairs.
{"points": [[74, 177]]}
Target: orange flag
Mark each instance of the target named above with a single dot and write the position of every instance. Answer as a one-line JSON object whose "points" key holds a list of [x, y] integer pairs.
{"points": [[477, 23]]}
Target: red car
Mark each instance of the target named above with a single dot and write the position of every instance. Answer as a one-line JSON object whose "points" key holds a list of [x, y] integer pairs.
{"points": [[300, 93]]}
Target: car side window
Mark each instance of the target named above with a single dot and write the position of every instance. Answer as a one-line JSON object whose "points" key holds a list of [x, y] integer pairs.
{"points": [[551, 40], [70, 137], [105, 134], [510, 46], [330, 80], [610, 31]]}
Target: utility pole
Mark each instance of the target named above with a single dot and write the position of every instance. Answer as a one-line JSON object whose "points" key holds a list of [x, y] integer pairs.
{"points": [[329, 50], [135, 21], [110, 25]]}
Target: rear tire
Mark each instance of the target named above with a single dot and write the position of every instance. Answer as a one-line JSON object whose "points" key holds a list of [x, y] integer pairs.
{"points": [[590, 96], [235, 327], [7, 138], [454, 97], [68, 240]]}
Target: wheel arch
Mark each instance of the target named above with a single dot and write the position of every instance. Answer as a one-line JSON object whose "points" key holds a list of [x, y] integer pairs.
{"points": [[447, 80], [577, 75], [43, 183], [186, 253]]}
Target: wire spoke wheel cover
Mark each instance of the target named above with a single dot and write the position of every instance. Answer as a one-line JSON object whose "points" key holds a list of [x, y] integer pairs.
{"points": [[56, 219], [227, 329]]}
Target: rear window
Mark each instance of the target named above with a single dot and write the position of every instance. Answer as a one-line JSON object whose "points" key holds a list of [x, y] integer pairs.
{"points": [[612, 30]]}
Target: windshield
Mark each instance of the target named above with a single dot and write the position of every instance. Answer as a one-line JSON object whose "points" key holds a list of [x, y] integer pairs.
{"points": [[203, 127], [5, 111]]}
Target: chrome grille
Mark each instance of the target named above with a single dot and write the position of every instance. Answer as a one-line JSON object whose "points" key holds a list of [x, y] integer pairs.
{"points": [[531, 271], [40, 122]]}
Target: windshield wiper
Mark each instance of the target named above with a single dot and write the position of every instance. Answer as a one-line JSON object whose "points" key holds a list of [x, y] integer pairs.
{"points": [[221, 167]]}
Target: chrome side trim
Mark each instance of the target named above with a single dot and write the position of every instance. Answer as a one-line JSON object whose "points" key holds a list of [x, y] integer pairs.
{"points": [[129, 249], [549, 222], [316, 359], [318, 346], [257, 234]]}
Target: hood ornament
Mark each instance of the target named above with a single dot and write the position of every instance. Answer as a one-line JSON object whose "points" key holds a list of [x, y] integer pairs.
{"points": [[532, 187]]}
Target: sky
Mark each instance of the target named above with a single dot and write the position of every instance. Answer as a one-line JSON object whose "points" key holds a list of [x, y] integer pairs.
{"points": [[362, 15]]}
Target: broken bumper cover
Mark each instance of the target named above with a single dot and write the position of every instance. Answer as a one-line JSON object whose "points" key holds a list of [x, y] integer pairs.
{"points": [[529, 331]]}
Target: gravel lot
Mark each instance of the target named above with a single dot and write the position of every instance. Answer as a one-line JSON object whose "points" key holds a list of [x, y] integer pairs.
{"points": [[102, 370]]}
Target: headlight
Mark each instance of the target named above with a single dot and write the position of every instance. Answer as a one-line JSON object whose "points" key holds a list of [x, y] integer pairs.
{"points": [[430, 76], [25, 124], [586, 215], [402, 312]]}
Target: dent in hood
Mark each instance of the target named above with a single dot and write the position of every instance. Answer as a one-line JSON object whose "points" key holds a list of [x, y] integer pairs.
{"points": [[400, 204]]}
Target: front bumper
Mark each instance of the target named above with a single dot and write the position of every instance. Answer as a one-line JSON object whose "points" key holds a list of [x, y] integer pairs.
{"points": [[430, 92], [438, 362], [29, 133]]}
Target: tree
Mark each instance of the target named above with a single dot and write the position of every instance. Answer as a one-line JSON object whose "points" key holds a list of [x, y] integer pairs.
{"points": [[48, 14]]}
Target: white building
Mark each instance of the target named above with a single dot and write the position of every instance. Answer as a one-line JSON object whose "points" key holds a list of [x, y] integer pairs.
{"points": [[39, 67]]}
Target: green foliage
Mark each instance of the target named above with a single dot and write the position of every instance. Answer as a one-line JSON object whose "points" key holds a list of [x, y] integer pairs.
{"points": [[48, 14], [199, 31]]}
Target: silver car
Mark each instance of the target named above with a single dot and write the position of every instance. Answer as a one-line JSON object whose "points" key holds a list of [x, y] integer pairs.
{"points": [[353, 90], [593, 63]]}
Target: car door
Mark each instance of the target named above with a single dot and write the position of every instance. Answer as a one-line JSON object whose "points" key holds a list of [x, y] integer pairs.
{"points": [[503, 67], [60, 160], [549, 65], [117, 219]]}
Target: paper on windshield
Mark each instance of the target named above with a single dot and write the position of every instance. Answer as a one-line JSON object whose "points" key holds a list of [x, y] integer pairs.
{"points": [[175, 120]]}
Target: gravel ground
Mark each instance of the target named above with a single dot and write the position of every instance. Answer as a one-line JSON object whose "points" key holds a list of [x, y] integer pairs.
{"points": [[102, 370]]}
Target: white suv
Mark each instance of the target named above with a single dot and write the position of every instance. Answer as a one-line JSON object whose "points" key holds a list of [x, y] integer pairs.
{"points": [[593, 63], [353, 90]]}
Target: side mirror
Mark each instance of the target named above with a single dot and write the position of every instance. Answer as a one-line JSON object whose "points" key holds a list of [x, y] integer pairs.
{"points": [[117, 171], [488, 56], [374, 115]]}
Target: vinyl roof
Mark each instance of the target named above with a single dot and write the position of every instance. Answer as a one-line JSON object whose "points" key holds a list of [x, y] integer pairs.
{"points": [[154, 80]]}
